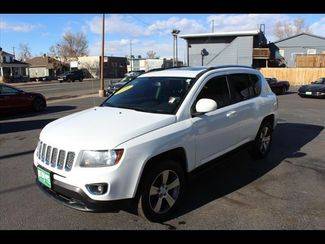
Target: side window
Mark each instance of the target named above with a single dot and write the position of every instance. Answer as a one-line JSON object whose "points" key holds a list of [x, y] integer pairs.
{"points": [[240, 87], [256, 84], [217, 89], [6, 90]]}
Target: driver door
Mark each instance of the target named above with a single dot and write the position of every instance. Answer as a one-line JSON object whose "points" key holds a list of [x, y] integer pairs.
{"points": [[218, 130]]}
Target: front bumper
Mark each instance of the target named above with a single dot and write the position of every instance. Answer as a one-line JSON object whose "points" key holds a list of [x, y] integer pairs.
{"points": [[76, 198]]}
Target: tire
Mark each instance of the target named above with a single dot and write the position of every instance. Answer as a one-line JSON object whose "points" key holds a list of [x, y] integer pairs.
{"points": [[81, 80], [156, 203], [39, 104], [262, 143], [283, 90]]}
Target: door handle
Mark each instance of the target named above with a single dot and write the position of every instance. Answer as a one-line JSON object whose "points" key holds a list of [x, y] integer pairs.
{"points": [[231, 114]]}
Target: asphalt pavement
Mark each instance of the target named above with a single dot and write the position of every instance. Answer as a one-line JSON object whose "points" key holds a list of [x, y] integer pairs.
{"points": [[284, 191], [54, 90]]}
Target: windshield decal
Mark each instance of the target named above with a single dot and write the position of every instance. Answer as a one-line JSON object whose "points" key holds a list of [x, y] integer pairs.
{"points": [[124, 89]]}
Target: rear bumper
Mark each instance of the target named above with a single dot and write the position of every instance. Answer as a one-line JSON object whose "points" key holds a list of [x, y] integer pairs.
{"points": [[76, 198], [314, 94]]}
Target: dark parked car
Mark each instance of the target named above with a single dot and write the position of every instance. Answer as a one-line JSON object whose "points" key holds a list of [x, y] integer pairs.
{"points": [[14, 100], [128, 77], [278, 87], [315, 89], [71, 76]]}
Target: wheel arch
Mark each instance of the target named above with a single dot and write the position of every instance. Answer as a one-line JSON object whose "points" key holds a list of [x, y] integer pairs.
{"points": [[177, 154]]}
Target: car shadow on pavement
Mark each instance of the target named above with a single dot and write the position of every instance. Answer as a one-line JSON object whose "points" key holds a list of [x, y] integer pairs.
{"points": [[237, 170], [16, 126], [48, 110]]}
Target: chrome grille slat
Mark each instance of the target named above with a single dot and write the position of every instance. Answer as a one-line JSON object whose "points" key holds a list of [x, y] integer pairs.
{"points": [[55, 157], [48, 154], [69, 161], [61, 159], [43, 152]]}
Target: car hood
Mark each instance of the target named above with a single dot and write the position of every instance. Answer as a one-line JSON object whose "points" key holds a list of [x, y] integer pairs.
{"points": [[101, 128], [313, 88]]}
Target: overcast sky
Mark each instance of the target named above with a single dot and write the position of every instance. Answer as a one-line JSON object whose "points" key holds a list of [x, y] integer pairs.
{"points": [[147, 31]]}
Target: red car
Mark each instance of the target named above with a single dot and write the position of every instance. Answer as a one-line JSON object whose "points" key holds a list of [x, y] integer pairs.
{"points": [[13, 100]]}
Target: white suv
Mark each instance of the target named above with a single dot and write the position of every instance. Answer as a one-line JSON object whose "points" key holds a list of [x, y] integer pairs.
{"points": [[142, 142]]}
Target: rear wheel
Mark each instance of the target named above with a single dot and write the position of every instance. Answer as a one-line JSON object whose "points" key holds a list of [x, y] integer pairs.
{"points": [[162, 191], [262, 143], [283, 90], [39, 104]]}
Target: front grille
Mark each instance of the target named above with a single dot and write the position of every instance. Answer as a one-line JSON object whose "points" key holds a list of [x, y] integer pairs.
{"points": [[55, 157]]}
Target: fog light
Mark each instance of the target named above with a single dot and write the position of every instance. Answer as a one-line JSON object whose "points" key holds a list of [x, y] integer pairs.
{"points": [[97, 189]]}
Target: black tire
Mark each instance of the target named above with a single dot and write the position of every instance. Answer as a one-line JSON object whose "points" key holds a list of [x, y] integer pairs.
{"points": [[80, 80], [261, 145], [283, 90], [60, 81], [39, 104], [148, 204]]}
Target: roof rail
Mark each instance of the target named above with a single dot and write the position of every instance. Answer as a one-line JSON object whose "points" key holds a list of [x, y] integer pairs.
{"points": [[159, 69], [221, 67], [231, 66]]}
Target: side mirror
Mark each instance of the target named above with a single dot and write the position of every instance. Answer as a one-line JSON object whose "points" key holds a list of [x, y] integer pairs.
{"points": [[205, 105]]}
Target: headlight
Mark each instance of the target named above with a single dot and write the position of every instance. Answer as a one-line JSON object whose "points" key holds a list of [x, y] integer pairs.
{"points": [[100, 158]]}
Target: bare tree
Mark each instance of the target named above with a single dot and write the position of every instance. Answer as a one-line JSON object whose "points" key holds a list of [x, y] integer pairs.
{"points": [[151, 54], [286, 29], [71, 45], [24, 52]]}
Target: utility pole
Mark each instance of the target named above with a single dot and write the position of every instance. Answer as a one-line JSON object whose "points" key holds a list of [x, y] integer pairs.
{"points": [[212, 25], [131, 55], [101, 89]]}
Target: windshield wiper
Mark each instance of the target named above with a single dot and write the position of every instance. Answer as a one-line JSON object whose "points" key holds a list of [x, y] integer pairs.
{"points": [[140, 109]]}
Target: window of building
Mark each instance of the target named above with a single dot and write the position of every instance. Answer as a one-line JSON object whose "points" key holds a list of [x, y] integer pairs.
{"points": [[311, 51]]}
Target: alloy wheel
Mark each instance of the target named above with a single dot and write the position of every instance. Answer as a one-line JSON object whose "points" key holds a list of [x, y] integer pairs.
{"points": [[265, 139], [164, 191]]}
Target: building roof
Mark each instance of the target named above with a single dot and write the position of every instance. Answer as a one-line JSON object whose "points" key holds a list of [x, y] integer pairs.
{"points": [[303, 33], [224, 33], [43, 61], [6, 53]]}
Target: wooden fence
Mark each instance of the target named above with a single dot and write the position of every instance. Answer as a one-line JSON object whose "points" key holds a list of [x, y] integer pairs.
{"points": [[295, 76], [310, 61]]}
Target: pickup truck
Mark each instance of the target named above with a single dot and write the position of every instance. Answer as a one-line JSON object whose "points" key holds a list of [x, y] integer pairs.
{"points": [[278, 87]]}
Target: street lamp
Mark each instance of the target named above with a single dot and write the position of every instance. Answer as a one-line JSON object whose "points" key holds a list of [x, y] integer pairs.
{"points": [[175, 32]]}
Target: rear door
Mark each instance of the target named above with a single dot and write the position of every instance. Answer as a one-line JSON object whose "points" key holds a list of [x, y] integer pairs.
{"points": [[244, 91]]}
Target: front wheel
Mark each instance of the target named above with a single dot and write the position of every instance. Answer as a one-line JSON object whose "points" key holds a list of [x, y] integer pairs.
{"points": [[262, 143], [162, 191], [39, 104]]}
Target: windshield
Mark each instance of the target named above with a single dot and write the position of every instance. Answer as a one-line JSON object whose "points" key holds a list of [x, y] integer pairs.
{"points": [[319, 81], [151, 94]]}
